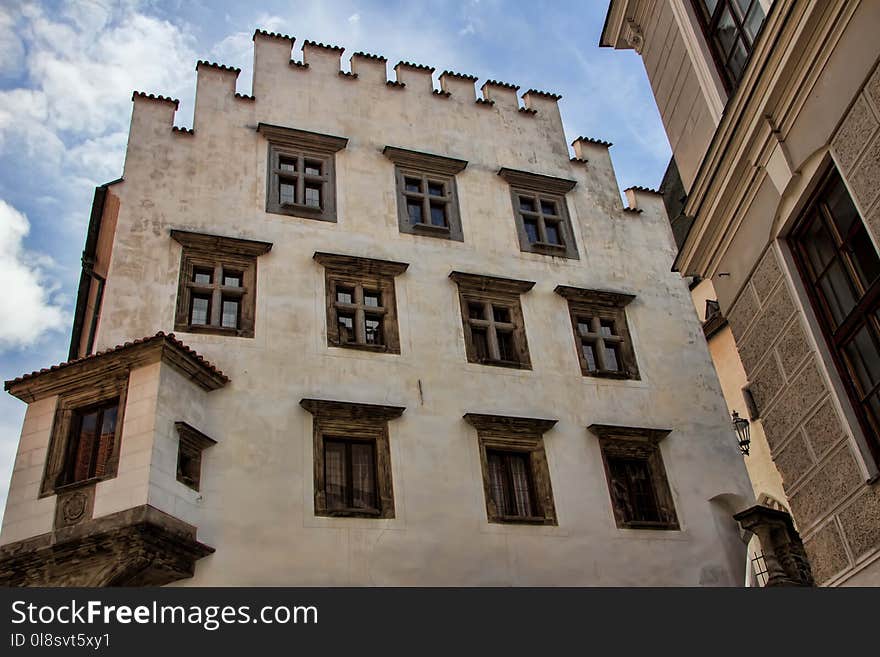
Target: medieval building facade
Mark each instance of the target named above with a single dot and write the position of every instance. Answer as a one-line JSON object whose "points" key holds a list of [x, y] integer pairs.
{"points": [[357, 331], [772, 109]]}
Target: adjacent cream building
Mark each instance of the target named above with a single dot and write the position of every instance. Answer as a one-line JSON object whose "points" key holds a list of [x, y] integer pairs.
{"points": [[772, 109], [416, 342]]}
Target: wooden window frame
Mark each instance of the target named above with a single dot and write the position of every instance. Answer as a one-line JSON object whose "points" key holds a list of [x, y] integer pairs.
{"points": [[61, 438], [301, 145], [351, 421], [865, 311], [217, 254], [191, 444], [519, 435], [542, 188], [358, 274], [642, 444], [493, 291], [427, 167], [709, 25], [602, 305]]}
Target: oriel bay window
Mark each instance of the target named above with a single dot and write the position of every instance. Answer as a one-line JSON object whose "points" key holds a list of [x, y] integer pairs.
{"points": [[361, 305], [601, 332], [218, 279], [301, 172], [427, 198], [352, 458], [516, 477], [542, 222], [494, 328], [840, 267]]}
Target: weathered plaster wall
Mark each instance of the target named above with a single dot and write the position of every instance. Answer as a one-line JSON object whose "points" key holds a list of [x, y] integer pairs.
{"points": [[256, 502]]}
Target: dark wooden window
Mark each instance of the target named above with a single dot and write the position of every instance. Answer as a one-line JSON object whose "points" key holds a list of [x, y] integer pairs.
{"points": [[189, 454], [731, 28], [352, 458], [840, 267], [494, 329], [218, 280], [542, 222], [91, 443], [361, 306], [601, 332], [510, 483], [301, 172], [350, 475], [516, 477], [637, 483], [427, 199]]}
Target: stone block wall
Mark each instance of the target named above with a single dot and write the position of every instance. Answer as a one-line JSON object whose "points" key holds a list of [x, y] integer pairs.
{"points": [[856, 150], [836, 512]]}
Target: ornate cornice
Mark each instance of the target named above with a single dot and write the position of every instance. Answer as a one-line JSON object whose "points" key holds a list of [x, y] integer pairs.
{"points": [[351, 410], [537, 181], [220, 243], [417, 160], [614, 431], [483, 283], [509, 423], [358, 264], [302, 138], [595, 297]]}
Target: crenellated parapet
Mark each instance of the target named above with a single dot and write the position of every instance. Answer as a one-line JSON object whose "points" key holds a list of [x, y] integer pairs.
{"points": [[284, 75]]}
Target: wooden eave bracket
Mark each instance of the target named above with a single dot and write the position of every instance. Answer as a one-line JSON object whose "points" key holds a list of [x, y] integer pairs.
{"points": [[509, 423], [481, 283], [350, 410], [537, 181], [614, 431], [595, 297], [359, 264], [315, 141], [415, 159], [220, 243]]}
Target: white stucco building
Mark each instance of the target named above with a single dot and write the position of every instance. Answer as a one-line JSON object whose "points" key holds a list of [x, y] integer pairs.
{"points": [[449, 355]]}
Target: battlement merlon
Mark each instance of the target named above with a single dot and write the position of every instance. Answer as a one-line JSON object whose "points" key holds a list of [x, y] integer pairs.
{"points": [[153, 112], [502, 94], [323, 58], [415, 76], [370, 69], [458, 84]]}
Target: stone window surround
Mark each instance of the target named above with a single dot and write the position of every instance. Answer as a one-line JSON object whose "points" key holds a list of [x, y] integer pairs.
{"points": [[427, 166], [602, 304], [353, 421], [296, 143], [354, 271], [215, 252], [521, 435], [113, 387], [192, 443], [548, 188], [643, 443], [504, 292]]}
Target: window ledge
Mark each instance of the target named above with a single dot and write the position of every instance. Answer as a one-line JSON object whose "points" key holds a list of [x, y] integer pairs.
{"points": [[521, 520], [350, 513], [305, 211], [84, 483], [214, 330], [512, 364], [547, 246], [610, 374], [430, 228], [375, 348], [649, 525]]}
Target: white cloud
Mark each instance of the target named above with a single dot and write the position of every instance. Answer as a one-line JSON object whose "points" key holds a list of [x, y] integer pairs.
{"points": [[31, 309], [354, 18]]}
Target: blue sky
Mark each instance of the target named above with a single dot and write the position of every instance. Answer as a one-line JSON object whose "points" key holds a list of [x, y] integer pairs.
{"points": [[67, 70]]}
